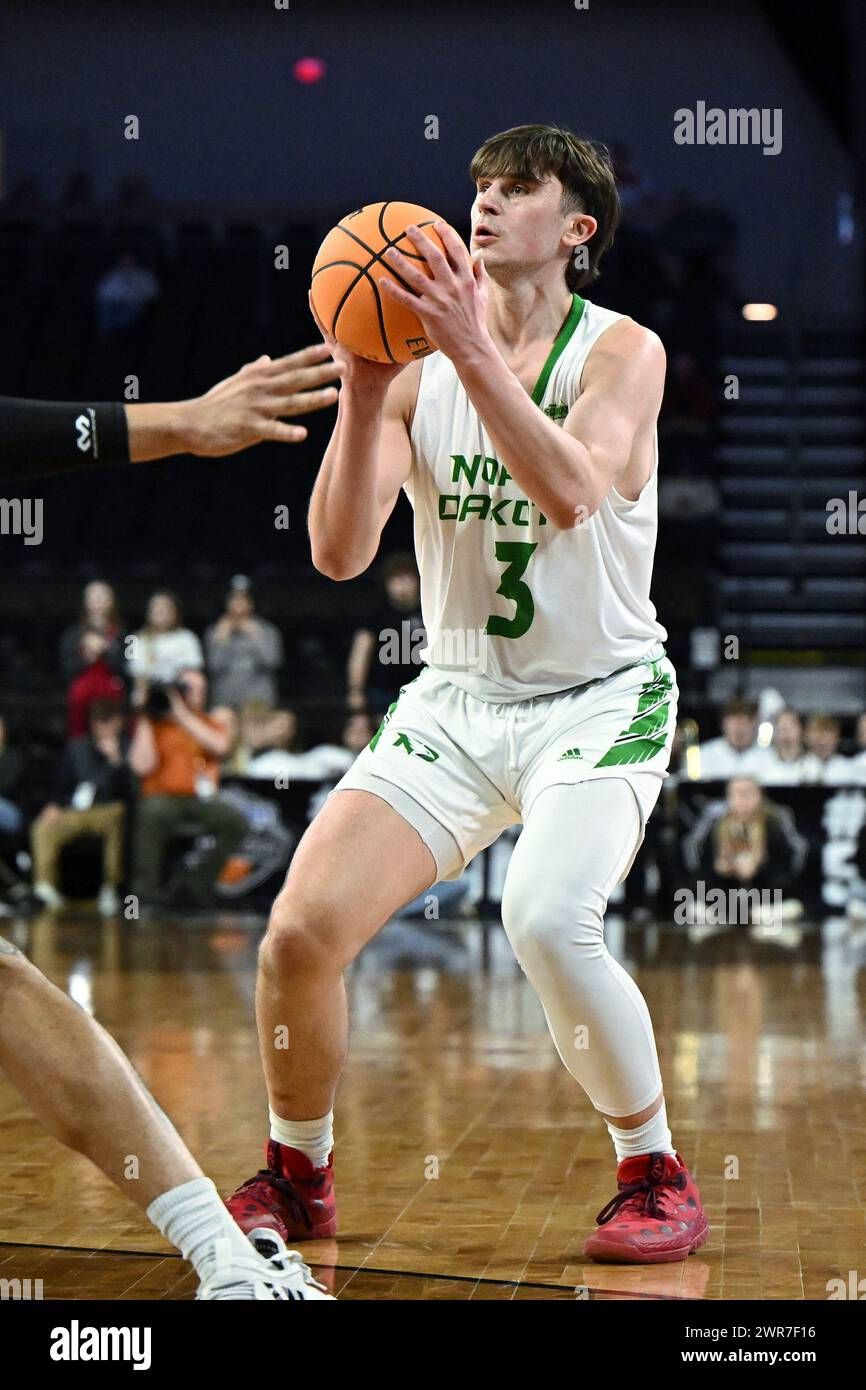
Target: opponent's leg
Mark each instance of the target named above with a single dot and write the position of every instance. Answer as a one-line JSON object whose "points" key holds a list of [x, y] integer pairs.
{"points": [[86, 1093], [577, 843]]}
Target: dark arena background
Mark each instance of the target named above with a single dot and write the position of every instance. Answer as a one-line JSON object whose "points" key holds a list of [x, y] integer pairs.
{"points": [[167, 173]]}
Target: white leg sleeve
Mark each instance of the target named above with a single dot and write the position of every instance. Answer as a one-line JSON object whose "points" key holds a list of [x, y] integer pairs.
{"points": [[577, 842]]}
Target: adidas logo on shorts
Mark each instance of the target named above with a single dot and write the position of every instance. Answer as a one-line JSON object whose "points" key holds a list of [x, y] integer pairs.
{"points": [[569, 754]]}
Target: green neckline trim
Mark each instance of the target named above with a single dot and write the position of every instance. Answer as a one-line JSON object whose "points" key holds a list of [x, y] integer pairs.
{"points": [[572, 319]]}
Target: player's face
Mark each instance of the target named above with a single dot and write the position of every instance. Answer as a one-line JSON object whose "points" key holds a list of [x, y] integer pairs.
{"points": [[519, 223]]}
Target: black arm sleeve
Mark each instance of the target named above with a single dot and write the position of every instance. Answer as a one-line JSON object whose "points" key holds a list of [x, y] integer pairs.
{"points": [[40, 437]]}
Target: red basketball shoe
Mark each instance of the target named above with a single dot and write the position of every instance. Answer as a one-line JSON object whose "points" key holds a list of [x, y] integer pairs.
{"points": [[656, 1216], [289, 1196]]}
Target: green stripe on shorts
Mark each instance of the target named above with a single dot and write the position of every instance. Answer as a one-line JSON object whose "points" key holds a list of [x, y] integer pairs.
{"points": [[646, 735]]}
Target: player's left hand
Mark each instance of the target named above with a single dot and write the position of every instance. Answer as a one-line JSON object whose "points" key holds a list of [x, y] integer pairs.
{"points": [[452, 302]]}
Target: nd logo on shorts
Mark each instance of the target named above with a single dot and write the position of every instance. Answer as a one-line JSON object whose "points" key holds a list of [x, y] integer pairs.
{"points": [[411, 745]]}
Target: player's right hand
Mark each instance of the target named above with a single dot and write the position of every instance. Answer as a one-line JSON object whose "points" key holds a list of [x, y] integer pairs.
{"points": [[357, 373]]}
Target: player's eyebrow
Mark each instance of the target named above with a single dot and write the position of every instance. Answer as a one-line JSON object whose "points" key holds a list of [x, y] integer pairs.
{"points": [[510, 178]]}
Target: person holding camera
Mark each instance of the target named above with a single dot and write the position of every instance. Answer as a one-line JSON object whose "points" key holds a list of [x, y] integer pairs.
{"points": [[176, 751]]}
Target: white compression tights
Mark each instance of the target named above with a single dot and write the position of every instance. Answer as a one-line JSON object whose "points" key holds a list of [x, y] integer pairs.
{"points": [[576, 844]]}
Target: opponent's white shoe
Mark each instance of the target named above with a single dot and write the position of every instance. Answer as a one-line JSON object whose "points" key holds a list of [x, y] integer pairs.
{"points": [[271, 1272]]}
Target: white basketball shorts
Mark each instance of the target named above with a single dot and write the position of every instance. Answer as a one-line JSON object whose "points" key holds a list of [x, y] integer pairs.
{"points": [[461, 770]]}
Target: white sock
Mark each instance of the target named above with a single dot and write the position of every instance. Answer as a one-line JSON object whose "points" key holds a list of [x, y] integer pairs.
{"points": [[315, 1138], [194, 1219], [653, 1137]]}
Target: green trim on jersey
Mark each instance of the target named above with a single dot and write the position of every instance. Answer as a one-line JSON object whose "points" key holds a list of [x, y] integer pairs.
{"points": [[647, 734], [572, 319]]}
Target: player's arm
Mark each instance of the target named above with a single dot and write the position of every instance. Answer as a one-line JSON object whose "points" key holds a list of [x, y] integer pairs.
{"points": [[621, 395], [43, 437], [366, 463], [569, 470]]}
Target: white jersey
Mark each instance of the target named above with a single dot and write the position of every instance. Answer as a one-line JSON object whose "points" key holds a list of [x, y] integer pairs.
{"points": [[512, 606]]}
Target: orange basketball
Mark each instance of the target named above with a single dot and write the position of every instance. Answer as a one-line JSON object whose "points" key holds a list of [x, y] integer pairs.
{"points": [[346, 275]]}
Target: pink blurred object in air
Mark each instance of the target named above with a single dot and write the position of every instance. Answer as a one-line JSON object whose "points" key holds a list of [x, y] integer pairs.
{"points": [[309, 70]]}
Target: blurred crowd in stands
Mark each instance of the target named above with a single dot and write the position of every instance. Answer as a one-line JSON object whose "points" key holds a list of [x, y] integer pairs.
{"points": [[156, 717], [160, 720]]}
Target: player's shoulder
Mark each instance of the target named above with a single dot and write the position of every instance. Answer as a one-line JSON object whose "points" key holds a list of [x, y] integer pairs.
{"points": [[625, 343], [625, 337]]}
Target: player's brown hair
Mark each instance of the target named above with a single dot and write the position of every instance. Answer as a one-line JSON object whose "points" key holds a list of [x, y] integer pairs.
{"points": [[583, 167]]}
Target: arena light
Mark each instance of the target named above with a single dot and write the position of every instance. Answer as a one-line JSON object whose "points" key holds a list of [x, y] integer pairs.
{"points": [[759, 313]]}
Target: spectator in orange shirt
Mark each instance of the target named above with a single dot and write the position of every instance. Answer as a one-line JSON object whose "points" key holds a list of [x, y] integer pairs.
{"points": [[176, 750]]}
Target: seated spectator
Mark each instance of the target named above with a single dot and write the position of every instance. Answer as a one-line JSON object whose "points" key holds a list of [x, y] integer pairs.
{"points": [[385, 652], [243, 652], [92, 658], [747, 842], [855, 908], [163, 647], [11, 769], [325, 763], [176, 750], [735, 753], [92, 790], [262, 731], [858, 762], [829, 766], [123, 293], [788, 764]]}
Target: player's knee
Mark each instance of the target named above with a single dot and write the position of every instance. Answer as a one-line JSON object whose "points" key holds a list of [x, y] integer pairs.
{"points": [[302, 937], [546, 928]]}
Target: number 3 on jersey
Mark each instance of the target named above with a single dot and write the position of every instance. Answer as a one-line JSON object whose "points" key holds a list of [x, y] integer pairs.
{"points": [[516, 556]]}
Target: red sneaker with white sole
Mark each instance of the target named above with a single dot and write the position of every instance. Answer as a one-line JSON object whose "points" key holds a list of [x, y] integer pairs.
{"points": [[289, 1196], [655, 1217]]}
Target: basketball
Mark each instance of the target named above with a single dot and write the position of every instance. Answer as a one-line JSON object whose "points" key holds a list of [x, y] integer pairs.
{"points": [[346, 275]]}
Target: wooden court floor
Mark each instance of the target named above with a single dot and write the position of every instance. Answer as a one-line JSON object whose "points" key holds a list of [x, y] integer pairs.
{"points": [[469, 1165]]}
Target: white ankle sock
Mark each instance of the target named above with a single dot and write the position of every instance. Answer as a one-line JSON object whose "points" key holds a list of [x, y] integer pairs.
{"points": [[653, 1137], [194, 1219], [315, 1138]]}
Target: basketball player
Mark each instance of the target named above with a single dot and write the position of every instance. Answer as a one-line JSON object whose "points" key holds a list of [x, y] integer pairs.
{"points": [[74, 1076], [527, 447]]}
